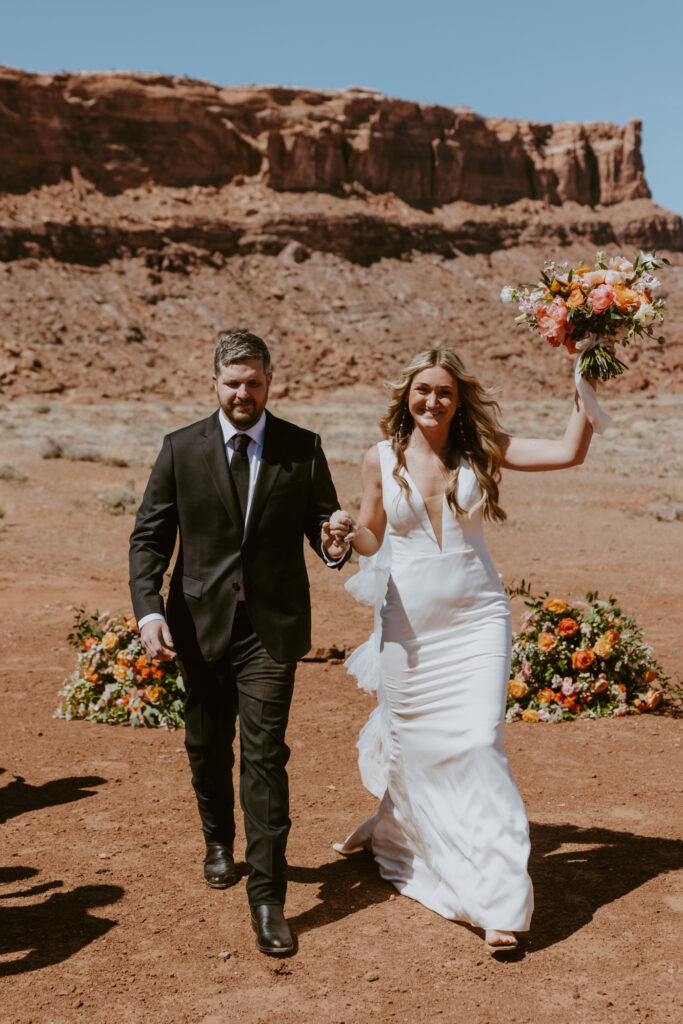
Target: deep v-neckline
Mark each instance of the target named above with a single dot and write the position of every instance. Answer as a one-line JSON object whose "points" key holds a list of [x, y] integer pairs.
{"points": [[430, 526]]}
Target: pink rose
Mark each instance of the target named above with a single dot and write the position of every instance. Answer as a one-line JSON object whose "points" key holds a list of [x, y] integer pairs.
{"points": [[527, 671], [568, 687], [601, 297], [552, 321]]}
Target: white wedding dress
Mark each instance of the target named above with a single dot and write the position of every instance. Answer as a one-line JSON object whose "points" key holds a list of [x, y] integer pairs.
{"points": [[451, 830]]}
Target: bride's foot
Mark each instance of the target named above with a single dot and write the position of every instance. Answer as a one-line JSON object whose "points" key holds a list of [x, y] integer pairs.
{"points": [[347, 851], [500, 942]]}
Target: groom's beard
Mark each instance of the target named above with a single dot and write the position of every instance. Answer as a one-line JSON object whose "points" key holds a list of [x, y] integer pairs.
{"points": [[244, 415]]}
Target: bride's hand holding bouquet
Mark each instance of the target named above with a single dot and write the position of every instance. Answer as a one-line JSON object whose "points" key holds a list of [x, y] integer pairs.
{"points": [[591, 310]]}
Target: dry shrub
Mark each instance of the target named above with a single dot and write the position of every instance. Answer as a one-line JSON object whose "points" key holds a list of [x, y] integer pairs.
{"points": [[12, 474]]}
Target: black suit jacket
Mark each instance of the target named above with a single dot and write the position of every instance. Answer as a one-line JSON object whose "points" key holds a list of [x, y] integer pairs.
{"points": [[190, 497]]}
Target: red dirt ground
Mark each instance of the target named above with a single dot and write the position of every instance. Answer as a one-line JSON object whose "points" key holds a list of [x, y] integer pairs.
{"points": [[104, 917]]}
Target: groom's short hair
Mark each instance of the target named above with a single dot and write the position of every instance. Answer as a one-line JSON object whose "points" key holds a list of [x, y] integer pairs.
{"points": [[237, 347]]}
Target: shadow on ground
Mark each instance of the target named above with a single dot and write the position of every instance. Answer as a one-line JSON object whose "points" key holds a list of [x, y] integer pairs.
{"points": [[19, 797], [570, 886], [40, 934]]}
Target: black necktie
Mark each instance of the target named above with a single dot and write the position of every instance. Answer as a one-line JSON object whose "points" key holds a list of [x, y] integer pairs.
{"points": [[239, 467]]}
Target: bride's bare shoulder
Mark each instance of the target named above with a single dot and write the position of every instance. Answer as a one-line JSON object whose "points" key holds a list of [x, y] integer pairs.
{"points": [[372, 466]]}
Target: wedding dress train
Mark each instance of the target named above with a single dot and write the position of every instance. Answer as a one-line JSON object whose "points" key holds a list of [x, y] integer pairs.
{"points": [[451, 830]]}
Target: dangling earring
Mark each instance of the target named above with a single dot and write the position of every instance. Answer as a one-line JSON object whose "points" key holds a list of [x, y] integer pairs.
{"points": [[404, 421], [461, 431]]}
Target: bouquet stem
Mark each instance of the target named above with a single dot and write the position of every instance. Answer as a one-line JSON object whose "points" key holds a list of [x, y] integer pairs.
{"points": [[600, 363]]}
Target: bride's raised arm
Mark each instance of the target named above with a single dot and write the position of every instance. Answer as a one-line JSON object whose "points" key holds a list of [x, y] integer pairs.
{"points": [[538, 453]]}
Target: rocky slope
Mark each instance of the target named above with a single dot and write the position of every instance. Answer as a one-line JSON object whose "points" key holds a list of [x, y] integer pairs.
{"points": [[139, 215]]}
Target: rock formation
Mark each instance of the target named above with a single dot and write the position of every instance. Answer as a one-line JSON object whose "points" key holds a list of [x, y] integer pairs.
{"points": [[122, 130], [141, 214]]}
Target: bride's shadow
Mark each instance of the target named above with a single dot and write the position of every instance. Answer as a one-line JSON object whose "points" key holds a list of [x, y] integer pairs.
{"points": [[347, 885], [570, 886]]}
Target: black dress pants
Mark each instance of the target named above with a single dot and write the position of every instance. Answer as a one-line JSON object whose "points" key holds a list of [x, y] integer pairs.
{"points": [[245, 682]]}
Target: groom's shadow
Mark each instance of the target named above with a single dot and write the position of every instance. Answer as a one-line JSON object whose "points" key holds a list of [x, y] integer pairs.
{"points": [[347, 885], [571, 886]]}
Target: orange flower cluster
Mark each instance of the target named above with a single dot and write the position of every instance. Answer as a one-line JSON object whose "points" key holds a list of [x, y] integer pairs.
{"points": [[582, 659], [567, 627]]}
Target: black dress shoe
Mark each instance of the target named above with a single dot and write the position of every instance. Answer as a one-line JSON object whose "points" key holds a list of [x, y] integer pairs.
{"points": [[272, 931], [219, 866]]}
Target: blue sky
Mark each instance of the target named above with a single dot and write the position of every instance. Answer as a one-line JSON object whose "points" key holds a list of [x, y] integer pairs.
{"points": [[595, 60]]}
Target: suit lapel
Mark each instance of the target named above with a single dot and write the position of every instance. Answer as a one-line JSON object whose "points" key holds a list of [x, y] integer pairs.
{"points": [[271, 463], [217, 461]]}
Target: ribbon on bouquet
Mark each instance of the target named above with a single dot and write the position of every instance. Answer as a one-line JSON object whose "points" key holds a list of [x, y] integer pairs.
{"points": [[587, 400]]}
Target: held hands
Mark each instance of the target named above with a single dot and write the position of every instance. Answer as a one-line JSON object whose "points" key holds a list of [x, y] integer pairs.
{"points": [[157, 640], [337, 533]]}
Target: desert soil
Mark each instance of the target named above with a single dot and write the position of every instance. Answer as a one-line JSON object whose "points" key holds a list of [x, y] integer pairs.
{"points": [[104, 916]]}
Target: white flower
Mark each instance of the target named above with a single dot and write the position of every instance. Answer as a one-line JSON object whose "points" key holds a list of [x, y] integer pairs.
{"points": [[621, 264], [508, 294], [647, 281], [649, 260], [645, 314], [614, 277]]}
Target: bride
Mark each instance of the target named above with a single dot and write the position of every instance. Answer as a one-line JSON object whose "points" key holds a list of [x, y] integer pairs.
{"points": [[451, 830]]}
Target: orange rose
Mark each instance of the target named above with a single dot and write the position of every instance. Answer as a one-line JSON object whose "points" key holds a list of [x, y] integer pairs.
{"points": [[517, 688], [652, 699], [546, 642], [89, 642], [158, 673], [109, 641], [121, 673], [126, 699], [603, 647], [145, 673], [152, 694], [582, 659], [141, 662], [649, 675], [546, 696], [625, 298], [577, 298], [571, 705], [555, 605], [567, 627], [612, 636], [529, 715], [639, 704], [600, 684]]}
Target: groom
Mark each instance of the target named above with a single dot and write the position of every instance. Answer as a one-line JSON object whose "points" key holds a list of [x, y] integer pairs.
{"points": [[239, 491]]}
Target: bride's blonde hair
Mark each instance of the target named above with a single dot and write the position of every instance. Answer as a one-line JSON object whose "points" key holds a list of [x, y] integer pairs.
{"points": [[472, 431]]}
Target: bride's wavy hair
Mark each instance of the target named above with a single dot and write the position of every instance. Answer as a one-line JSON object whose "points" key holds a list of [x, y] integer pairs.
{"points": [[472, 431]]}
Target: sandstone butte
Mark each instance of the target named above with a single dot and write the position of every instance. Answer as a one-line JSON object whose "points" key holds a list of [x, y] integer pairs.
{"points": [[342, 225]]}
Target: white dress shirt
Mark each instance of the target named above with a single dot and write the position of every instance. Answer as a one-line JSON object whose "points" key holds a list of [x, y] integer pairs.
{"points": [[254, 453]]}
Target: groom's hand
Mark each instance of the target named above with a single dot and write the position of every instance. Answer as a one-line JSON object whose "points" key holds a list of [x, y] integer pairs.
{"points": [[157, 640], [335, 546], [337, 533]]}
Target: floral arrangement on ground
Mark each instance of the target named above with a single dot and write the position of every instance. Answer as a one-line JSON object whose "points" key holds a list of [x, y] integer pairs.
{"points": [[115, 681], [579, 660]]}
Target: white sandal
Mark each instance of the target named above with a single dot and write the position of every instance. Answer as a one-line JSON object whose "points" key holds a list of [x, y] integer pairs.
{"points": [[500, 947]]}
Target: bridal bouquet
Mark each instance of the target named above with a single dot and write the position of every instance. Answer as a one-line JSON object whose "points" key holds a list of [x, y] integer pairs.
{"points": [[580, 660], [115, 681], [589, 310]]}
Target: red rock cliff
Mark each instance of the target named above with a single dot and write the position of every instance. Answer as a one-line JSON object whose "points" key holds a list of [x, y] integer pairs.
{"points": [[122, 130]]}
